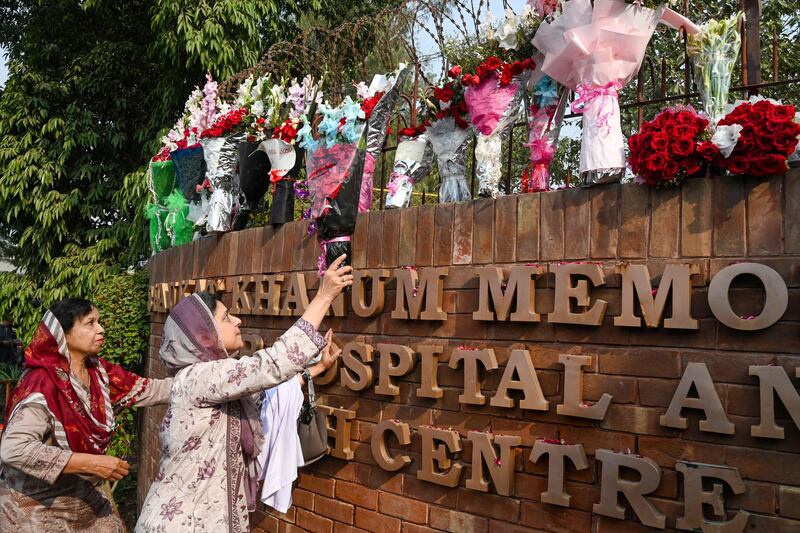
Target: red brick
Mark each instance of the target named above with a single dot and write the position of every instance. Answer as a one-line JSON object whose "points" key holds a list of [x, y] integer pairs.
{"points": [[772, 524], [593, 438], [666, 451], [338, 527], [357, 495], [375, 522], [335, 468], [764, 465], [443, 234], [757, 498], [792, 214], [429, 492], [776, 338], [376, 478], [483, 231], [408, 237], [634, 221], [316, 484], [425, 230], [336, 510], [729, 217], [554, 518], [656, 392], [764, 216], [391, 238], [505, 224], [490, 505], [265, 523], [605, 202], [456, 522], [696, 217], [622, 389], [360, 241], [789, 501], [375, 233], [528, 227], [413, 528], [313, 522], [496, 526], [577, 213], [665, 222], [612, 525], [303, 499], [641, 362], [403, 508], [551, 232], [462, 234], [635, 419]]}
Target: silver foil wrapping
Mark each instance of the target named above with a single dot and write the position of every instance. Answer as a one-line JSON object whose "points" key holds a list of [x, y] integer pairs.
{"points": [[449, 143], [378, 122], [489, 148], [221, 155], [412, 163]]}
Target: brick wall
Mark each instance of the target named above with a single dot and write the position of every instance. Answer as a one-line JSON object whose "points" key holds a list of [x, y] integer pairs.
{"points": [[708, 222]]}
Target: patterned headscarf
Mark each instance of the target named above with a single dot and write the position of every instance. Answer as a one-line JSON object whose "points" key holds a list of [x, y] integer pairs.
{"points": [[83, 422], [191, 336]]}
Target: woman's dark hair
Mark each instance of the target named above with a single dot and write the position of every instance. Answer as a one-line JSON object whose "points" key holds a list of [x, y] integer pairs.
{"points": [[210, 299], [68, 310]]}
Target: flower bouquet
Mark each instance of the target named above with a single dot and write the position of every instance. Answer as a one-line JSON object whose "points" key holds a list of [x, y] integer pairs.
{"points": [[671, 147], [761, 135], [449, 135], [334, 168], [545, 105], [221, 149], [379, 101], [595, 49], [168, 209], [714, 51], [496, 90], [182, 141], [412, 162], [285, 156], [255, 96]]}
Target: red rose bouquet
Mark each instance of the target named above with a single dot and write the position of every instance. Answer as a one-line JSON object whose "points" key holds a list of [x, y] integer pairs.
{"points": [[767, 136], [673, 146]]}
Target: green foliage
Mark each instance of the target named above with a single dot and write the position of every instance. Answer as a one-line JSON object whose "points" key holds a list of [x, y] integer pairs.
{"points": [[9, 372], [121, 301]]}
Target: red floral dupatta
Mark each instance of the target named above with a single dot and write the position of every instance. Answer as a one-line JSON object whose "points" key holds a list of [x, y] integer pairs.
{"points": [[82, 422]]}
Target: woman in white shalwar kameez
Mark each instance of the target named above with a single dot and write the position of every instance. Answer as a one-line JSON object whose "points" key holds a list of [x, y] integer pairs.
{"points": [[211, 433]]}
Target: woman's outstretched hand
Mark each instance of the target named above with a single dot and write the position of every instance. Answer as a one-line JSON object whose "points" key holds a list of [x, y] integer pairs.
{"points": [[336, 278]]}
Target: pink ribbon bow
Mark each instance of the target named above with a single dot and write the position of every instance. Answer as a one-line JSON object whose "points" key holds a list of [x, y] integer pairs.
{"points": [[588, 93]]}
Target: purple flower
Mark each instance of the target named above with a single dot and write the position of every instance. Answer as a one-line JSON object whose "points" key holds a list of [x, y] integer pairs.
{"points": [[300, 190], [171, 509], [192, 443], [205, 470], [236, 375]]}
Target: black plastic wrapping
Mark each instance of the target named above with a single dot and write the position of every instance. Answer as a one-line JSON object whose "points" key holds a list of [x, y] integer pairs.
{"points": [[190, 168], [253, 181], [341, 219], [282, 209]]}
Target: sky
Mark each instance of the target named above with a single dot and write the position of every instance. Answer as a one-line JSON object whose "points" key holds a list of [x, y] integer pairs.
{"points": [[3, 68]]}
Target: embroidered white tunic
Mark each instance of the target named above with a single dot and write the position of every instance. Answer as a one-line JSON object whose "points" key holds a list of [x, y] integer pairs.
{"points": [[199, 483]]}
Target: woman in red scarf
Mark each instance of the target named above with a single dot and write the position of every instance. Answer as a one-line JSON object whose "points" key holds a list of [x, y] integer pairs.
{"points": [[60, 421]]}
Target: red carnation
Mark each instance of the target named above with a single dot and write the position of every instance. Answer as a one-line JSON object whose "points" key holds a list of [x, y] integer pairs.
{"points": [[517, 67], [444, 94], [454, 72], [482, 71], [492, 63], [528, 63]]}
